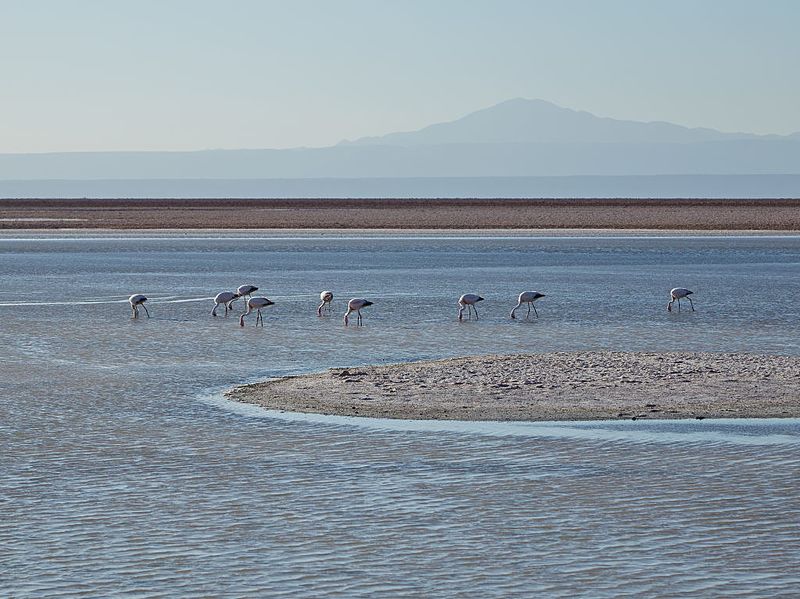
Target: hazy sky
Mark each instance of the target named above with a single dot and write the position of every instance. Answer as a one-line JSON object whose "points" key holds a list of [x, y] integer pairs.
{"points": [[196, 74]]}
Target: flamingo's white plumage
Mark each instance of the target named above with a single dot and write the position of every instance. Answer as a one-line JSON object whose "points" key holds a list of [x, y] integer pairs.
{"points": [[326, 297], [355, 305], [246, 290], [527, 297], [135, 301], [468, 301], [256, 303], [225, 298], [676, 295]]}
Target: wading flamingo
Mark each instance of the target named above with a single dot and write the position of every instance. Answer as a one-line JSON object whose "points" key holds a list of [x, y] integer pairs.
{"points": [[246, 290], [527, 297], [256, 303], [468, 301], [136, 301], [326, 297], [225, 298], [355, 305], [677, 294]]}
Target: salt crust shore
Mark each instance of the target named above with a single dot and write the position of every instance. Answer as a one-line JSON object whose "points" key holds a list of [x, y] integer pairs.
{"points": [[595, 385], [389, 213], [24, 233]]}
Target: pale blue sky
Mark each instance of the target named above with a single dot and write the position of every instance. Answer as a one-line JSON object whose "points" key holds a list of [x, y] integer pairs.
{"points": [[196, 74]]}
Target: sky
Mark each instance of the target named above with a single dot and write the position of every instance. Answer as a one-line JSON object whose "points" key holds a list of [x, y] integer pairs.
{"points": [[194, 74]]}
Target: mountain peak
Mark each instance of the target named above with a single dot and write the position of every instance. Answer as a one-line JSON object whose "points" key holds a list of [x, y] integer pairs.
{"points": [[522, 120]]}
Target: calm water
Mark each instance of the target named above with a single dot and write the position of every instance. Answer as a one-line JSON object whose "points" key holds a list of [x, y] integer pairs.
{"points": [[122, 472]]}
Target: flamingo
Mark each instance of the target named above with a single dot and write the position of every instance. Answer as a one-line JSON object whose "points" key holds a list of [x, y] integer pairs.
{"points": [[226, 298], [528, 297], [355, 305], [256, 303], [246, 290], [677, 294], [136, 301], [326, 297], [468, 301]]}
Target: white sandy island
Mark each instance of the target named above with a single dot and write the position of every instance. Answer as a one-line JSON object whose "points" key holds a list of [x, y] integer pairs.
{"points": [[593, 385]]}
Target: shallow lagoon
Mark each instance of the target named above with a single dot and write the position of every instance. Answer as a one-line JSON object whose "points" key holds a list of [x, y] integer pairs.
{"points": [[124, 472]]}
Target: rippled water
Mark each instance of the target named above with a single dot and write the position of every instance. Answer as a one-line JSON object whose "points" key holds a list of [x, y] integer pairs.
{"points": [[123, 473]]}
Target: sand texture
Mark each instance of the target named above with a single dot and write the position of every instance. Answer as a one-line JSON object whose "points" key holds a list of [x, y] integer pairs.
{"points": [[555, 386], [658, 214]]}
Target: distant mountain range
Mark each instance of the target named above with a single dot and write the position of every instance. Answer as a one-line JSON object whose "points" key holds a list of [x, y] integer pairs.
{"points": [[517, 138], [523, 121]]}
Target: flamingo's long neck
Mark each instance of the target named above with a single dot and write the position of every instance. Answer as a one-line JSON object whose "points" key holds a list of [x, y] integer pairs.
{"points": [[241, 318]]}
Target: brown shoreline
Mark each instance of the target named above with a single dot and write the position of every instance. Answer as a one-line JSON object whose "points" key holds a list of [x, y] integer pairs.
{"points": [[558, 386], [465, 213]]}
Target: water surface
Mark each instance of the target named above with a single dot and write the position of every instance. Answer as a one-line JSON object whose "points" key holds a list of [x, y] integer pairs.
{"points": [[123, 472]]}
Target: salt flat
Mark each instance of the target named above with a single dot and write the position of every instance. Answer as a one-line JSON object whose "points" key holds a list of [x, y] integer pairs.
{"points": [[583, 385]]}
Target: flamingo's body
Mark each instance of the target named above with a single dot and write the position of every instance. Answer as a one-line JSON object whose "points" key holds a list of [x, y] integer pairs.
{"points": [[225, 298], [527, 297], [136, 301], [326, 297], [467, 302], [676, 295], [246, 290], [355, 305], [256, 303]]}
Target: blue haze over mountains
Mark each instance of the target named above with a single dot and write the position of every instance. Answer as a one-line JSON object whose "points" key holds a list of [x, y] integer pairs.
{"points": [[518, 148]]}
